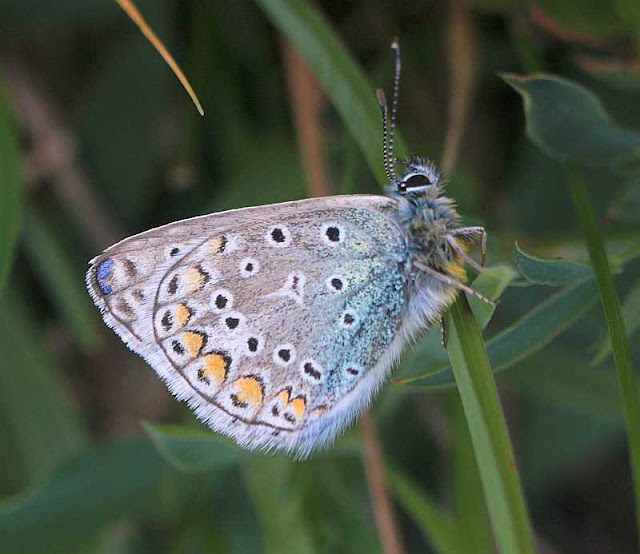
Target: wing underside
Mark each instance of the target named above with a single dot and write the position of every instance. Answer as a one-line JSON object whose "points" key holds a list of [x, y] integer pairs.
{"points": [[270, 322]]}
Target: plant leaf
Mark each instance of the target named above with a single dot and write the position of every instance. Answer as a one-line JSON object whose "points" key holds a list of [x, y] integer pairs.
{"points": [[570, 124], [555, 272], [193, 450], [527, 335]]}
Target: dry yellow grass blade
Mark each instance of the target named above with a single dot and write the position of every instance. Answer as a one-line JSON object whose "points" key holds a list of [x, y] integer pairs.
{"points": [[131, 10]]}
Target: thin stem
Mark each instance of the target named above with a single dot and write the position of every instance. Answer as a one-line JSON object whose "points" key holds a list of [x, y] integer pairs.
{"points": [[54, 154], [615, 325], [382, 506], [306, 101], [462, 57]]}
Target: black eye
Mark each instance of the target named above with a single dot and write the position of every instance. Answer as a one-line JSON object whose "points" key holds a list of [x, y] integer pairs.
{"points": [[417, 180]]}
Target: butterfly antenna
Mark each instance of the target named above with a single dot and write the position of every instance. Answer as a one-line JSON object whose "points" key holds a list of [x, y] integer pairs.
{"points": [[389, 124], [397, 66], [388, 165]]}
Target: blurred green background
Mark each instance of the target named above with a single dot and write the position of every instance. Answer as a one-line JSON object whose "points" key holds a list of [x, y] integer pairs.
{"points": [[98, 141]]}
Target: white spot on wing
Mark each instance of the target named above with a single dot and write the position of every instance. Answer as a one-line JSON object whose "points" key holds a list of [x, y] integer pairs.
{"points": [[293, 288]]}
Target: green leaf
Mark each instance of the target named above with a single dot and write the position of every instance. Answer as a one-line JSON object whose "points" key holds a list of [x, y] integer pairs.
{"points": [[98, 488], [10, 189], [194, 450], [555, 272], [526, 336], [437, 527], [338, 75], [615, 325], [631, 317], [570, 124], [491, 283], [57, 274], [278, 505], [488, 430], [44, 425]]}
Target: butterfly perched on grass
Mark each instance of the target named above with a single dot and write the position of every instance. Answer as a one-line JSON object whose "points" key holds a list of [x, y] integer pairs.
{"points": [[278, 324]]}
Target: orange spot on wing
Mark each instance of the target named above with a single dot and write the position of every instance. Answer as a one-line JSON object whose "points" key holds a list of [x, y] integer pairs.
{"points": [[298, 406], [250, 391], [183, 314], [216, 244], [193, 342], [283, 395], [215, 367], [194, 278]]}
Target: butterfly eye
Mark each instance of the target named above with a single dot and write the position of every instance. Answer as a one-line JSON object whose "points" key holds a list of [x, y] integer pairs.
{"points": [[414, 181]]}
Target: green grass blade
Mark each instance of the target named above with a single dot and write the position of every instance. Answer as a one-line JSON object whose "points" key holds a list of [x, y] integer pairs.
{"points": [[437, 527], [631, 317], [35, 408], [467, 497], [10, 189], [338, 75], [489, 434], [615, 325], [56, 271]]}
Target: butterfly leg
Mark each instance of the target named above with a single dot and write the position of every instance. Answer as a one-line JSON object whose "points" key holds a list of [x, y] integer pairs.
{"points": [[458, 250], [452, 282], [470, 232], [443, 333]]}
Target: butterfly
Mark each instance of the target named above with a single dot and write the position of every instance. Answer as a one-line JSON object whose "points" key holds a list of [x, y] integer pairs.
{"points": [[278, 324]]}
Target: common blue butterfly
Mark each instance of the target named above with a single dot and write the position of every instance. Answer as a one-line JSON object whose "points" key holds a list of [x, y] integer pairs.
{"points": [[278, 324]]}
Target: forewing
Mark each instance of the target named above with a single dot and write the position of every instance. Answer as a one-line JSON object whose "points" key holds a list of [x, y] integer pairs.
{"points": [[268, 321]]}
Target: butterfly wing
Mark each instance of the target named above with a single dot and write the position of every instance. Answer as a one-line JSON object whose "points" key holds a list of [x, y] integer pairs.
{"points": [[276, 324]]}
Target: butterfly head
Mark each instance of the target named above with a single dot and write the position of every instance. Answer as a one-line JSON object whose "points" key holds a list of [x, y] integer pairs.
{"points": [[419, 176]]}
